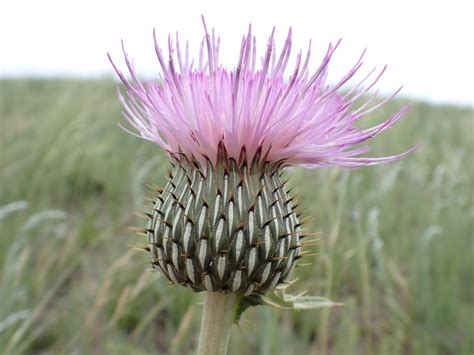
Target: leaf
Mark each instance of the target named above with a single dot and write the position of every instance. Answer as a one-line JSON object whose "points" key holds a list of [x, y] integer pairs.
{"points": [[309, 302], [299, 301], [245, 302], [283, 300]]}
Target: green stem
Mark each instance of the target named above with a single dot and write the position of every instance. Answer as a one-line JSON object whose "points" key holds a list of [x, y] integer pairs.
{"points": [[217, 319]]}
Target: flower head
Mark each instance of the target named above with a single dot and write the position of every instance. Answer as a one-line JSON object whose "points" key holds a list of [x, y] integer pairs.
{"points": [[224, 222]]}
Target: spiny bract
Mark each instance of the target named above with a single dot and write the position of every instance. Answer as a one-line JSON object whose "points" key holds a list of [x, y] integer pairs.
{"points": [[230, 227]]}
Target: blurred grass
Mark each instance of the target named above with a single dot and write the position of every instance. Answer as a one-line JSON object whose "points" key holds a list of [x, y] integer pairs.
{"points": [[396, 242]]}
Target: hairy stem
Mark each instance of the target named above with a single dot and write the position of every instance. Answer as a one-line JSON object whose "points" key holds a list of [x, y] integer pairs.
{"points": [[217, 319]]}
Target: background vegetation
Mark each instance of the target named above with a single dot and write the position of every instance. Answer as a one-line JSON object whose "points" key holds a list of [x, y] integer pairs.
{"points": [[396, 241]]}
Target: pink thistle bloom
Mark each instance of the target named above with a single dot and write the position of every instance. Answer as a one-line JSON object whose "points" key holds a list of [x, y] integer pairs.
{"points": [[301, 120], [225, 222]]}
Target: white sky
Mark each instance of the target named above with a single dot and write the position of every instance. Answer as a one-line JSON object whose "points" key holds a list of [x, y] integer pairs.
{"points": [[427, 45]]}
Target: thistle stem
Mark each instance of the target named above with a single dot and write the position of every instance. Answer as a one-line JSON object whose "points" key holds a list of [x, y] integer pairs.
{"points": [[217, 319]]}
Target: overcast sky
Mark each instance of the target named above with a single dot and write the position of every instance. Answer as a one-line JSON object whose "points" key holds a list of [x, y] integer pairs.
{"points": [[427, 45]]}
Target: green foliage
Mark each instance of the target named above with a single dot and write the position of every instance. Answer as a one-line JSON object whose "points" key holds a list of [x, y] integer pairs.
{"points": [[395, 242]]}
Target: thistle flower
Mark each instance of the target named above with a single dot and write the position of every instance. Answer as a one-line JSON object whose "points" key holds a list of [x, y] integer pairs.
{"points": [[225, 222]]}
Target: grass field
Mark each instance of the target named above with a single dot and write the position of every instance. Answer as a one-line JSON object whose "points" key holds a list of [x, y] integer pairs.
{"points": [[396, 244]]}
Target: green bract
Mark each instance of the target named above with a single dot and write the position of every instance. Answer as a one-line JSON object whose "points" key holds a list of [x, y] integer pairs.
{"points": [[229, 227]]}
